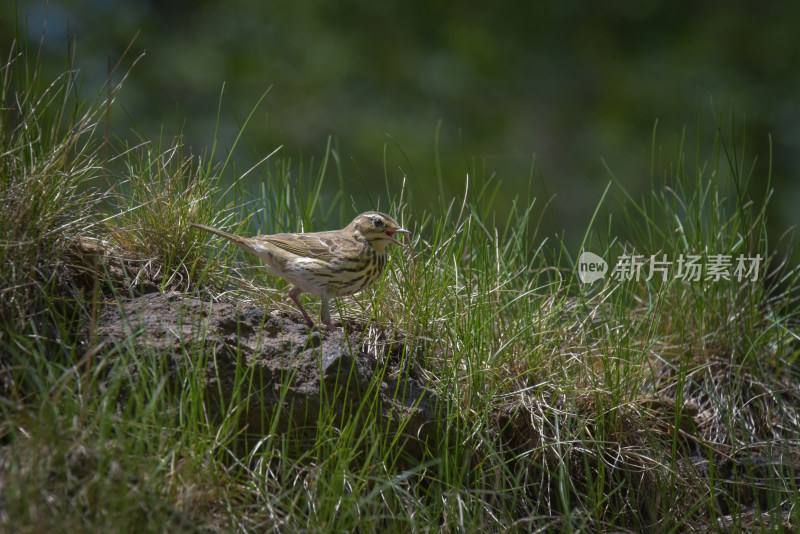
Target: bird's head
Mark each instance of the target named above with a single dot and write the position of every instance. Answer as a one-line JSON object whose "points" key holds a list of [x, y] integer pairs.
{"points": [[377, 228]]}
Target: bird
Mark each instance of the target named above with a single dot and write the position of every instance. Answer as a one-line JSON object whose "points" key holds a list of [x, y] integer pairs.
{"points": [[327, 264]]}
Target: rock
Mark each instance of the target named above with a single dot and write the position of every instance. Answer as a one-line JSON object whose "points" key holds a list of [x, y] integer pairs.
{"points": [[290, 372]]}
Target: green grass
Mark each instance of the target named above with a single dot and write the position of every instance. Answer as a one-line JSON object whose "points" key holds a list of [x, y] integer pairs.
{"points": [[634, 405]]}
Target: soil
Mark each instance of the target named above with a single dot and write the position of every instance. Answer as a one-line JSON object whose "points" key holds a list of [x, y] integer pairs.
{"points": [[294, 375]]}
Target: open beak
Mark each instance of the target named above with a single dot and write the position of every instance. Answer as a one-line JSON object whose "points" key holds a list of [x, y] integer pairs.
{"points": [[390, 235]]}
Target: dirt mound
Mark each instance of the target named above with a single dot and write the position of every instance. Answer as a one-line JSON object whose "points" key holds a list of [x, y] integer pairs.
{"points": [[289, 370]]}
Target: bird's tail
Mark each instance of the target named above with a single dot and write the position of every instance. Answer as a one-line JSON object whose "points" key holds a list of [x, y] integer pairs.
{"points": [[241, 241]]}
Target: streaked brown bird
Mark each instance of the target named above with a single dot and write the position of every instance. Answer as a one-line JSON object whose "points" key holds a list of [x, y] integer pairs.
{"points": [[326, 264]]}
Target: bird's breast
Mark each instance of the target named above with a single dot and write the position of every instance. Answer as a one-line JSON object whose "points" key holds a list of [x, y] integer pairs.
{"points": [[360, 274]]}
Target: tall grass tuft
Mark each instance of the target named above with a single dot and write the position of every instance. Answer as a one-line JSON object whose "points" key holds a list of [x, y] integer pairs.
{"points": [[162, 189], [50, 164]]}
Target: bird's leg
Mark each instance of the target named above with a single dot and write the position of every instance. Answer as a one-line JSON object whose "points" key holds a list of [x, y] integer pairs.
{"points": [[293, 294], [326, 311]]}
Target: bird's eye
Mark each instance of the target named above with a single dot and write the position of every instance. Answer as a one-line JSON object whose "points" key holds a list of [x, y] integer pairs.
{"points": [[377, 222]]}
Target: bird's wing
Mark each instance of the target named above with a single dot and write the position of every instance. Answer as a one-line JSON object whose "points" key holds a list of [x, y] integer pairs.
{"points": [[318, 246]]}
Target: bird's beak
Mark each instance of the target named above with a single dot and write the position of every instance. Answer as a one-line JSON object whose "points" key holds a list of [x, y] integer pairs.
{"points": [[390, 234]]}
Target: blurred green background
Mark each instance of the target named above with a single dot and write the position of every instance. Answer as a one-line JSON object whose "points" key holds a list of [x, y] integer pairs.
{"points": [[570, 83]]}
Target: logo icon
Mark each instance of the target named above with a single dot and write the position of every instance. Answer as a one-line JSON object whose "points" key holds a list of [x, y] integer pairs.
{"points": [[591, 267]]}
